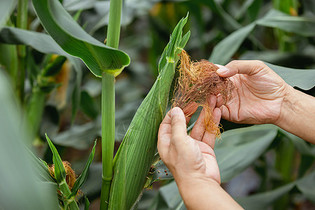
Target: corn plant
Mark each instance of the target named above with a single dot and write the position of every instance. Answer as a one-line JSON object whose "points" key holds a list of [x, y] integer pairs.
{"points": [[105, 62], [125, 175]]}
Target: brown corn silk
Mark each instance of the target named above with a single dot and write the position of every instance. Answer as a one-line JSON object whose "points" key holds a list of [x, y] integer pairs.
{"points": [[70, 174], [196, 82]]}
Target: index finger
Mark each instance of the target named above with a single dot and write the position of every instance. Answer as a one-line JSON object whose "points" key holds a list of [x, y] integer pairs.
{"points": [[249, 67]]}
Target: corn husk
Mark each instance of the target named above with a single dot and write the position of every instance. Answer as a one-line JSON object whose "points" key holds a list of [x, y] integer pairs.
{"points": [[136, 153]]}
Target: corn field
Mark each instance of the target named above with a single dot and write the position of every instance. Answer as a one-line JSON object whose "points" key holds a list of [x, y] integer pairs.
{"points": [[85, 84]]}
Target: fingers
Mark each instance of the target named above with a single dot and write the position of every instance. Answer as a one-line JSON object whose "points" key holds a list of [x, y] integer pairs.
{"points": [[249, 67], [220, 100], [225, 112], [178, 127], [172, 131], [164, 135], [189, 110], [199, 127], [209, 138], [212, 100]]}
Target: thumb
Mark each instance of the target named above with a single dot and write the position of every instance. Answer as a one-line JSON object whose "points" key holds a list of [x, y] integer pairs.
{"points": [[249, 67], [178, 123]]}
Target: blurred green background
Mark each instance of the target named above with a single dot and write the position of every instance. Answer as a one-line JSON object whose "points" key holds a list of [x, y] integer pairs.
{"points": [[261, 166]]}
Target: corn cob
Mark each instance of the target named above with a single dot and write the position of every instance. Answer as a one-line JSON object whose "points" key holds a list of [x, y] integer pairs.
{"points": [[134, 158]]}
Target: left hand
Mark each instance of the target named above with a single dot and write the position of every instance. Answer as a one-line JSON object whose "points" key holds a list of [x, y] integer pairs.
{"points": [[189, 157]]}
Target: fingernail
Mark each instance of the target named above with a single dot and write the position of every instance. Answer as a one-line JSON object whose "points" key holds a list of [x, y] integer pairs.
{"points": [[222, 70], [176, 111]]}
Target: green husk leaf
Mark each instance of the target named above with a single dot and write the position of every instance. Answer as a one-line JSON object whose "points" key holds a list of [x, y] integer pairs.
{"points": [[136, 153], [75, 41], [86, 204], [167, 52], [82, 178], [60, 172]]}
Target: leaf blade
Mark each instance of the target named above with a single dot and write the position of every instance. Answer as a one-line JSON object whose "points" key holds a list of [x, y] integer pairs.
{"points": [[60, 172], [75, 41], [82, 178]]}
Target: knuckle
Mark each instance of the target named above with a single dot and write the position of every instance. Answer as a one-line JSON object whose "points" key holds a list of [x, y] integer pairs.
{"points": [[260, 63], [233, 63]]}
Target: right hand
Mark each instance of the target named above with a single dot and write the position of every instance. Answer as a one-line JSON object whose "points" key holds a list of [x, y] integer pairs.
{"points": [[258, 94]]}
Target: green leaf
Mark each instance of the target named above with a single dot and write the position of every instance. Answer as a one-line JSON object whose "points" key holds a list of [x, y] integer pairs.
{"points": [[39, 41], [60, 173], [82, 178], [174, 45], [86, 203], [302, 78], [306, 186], [300, 144], [79, 136], [299, 25], [170, 195], [223, 51], [217, 8], [88, 105], [245, 9], [239, 148], [75, 98], [264, 200], [74, 40], [184, 41], [24, 180], [6, 8], [41, 168]]}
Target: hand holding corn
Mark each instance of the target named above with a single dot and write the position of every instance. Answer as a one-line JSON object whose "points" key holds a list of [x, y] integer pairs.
{"points": [[261, 96], [192, 161]]}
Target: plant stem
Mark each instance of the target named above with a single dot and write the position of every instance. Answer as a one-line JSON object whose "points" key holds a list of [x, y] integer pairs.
{"points": [[108, 134], [108, 105], [35, 109], [113, 30], [71, 203], [21, 23]]}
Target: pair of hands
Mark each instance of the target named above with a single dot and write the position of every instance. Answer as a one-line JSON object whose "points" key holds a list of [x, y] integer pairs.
{"points": [[256, 99]]}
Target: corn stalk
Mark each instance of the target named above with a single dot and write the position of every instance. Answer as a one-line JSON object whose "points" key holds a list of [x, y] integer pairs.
{"points": [[108, 104], [21, 49]]}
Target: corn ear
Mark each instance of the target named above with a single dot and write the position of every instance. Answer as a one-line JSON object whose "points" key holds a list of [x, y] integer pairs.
{"points": [[136, 153]]}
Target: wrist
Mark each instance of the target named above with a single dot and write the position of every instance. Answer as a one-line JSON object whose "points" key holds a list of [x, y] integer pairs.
{"points": [[194, 182], [287, 107], [192, 189], [297, 115], [204, 193]]}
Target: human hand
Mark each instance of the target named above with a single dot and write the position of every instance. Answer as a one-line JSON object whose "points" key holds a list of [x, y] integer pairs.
{"points": [[258, 94], [189, 157]]}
